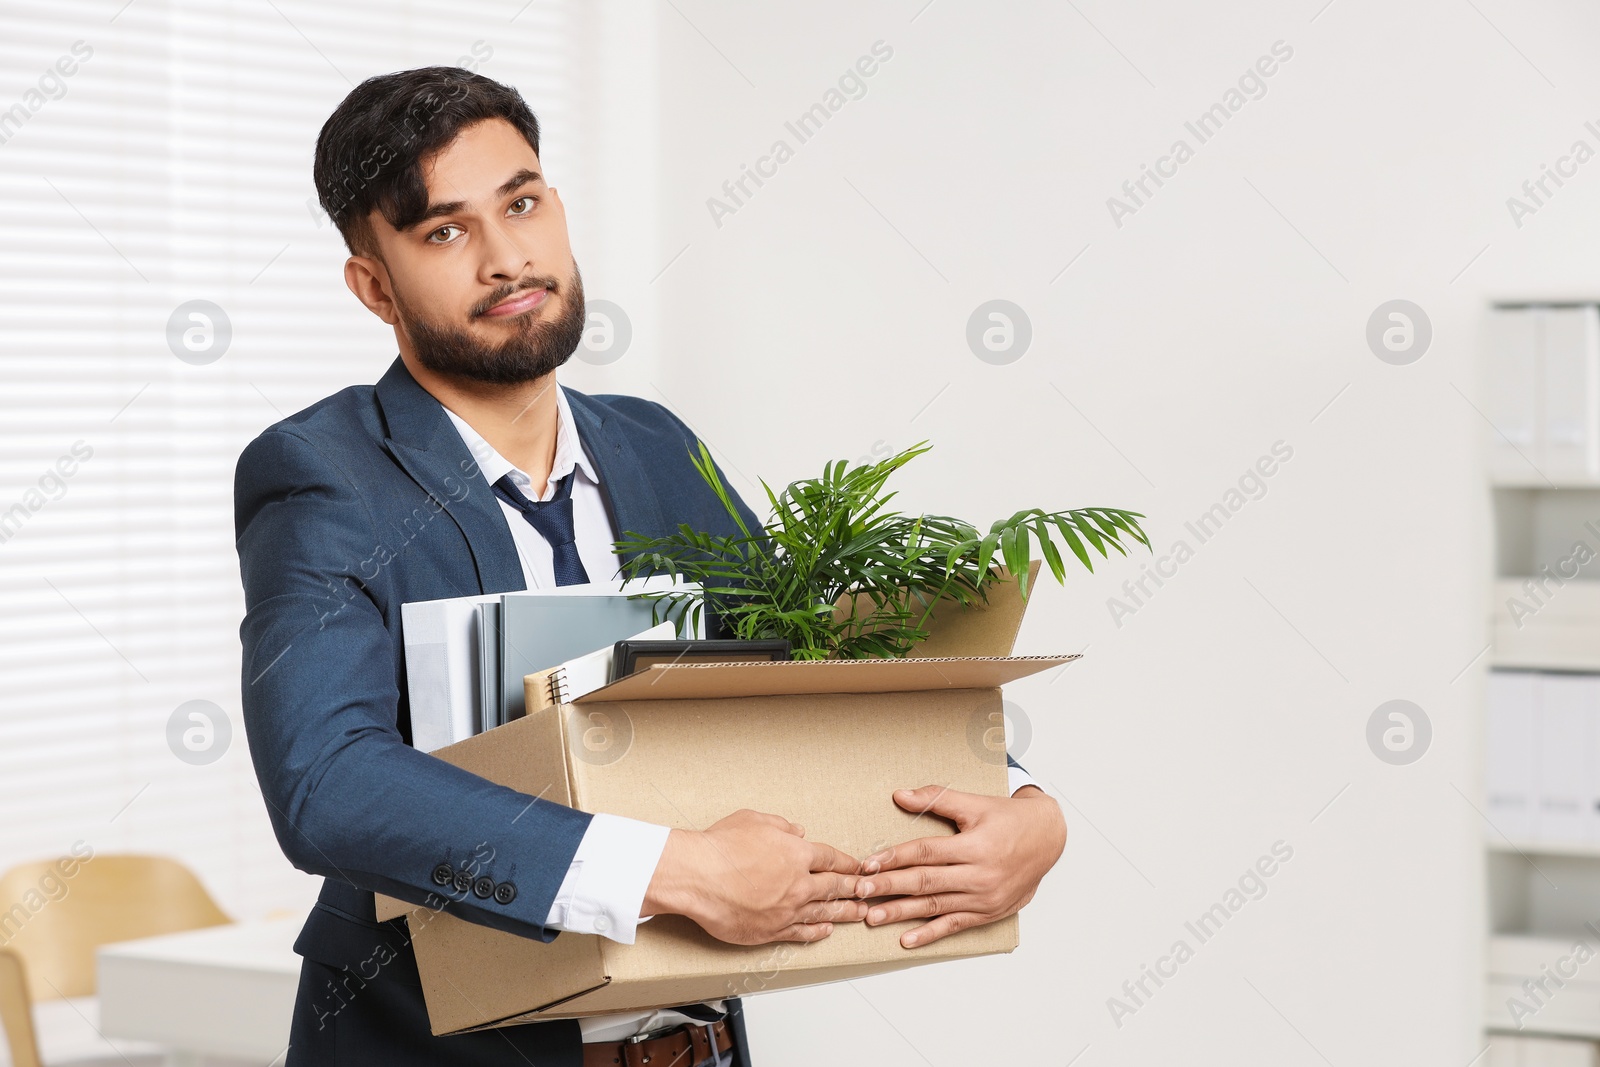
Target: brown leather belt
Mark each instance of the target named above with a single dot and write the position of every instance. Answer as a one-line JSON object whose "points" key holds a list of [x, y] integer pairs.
{"points": [[682, 1046]]}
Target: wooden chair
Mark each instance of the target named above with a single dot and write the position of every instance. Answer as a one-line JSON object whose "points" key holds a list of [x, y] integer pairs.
{"points": [[52, 922]]}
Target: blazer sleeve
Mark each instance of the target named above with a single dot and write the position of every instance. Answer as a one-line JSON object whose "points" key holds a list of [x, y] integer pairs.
{"points": [[348, 798]]}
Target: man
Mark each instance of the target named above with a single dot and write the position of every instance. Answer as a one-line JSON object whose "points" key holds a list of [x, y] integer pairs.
{"points": [[467, 470]]}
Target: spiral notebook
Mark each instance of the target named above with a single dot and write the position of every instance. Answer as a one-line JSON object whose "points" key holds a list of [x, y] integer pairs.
{"points": [[568, 681]]}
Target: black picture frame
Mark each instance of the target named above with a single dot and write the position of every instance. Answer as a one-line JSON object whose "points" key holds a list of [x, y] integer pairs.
{"points": [[632, 656]]}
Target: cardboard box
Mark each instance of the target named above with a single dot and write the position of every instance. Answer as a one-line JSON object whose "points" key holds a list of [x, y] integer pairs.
{"points": [[823, 743]]}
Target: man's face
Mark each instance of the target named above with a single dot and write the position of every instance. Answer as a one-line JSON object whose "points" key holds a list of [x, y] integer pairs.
{"points": [[484, 287]]}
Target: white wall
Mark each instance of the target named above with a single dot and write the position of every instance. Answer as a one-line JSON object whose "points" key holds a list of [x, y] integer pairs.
{"points": [[1227, 314]]}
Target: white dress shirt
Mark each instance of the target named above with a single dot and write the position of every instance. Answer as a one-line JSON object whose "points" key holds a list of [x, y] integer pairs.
{"points": [[604, 887]]}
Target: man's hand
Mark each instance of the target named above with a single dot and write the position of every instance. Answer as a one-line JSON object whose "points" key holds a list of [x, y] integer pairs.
{"points": [[752, 878], [987, 870]]}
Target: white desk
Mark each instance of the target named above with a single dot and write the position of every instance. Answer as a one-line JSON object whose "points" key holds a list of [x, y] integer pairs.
{"points": [[221, 991]]}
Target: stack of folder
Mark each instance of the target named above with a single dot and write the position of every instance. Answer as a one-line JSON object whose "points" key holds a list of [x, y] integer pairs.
{"points": [[466, 657]]}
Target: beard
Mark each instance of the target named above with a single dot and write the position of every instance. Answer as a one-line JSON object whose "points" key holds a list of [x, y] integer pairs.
{"points": [[534, 350]]}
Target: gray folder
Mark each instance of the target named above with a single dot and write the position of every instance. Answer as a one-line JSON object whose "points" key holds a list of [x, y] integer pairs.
{"points": [[539, 631]]}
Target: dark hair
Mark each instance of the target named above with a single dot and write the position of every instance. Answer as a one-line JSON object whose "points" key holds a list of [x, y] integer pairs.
{"points": [[371, 149]]}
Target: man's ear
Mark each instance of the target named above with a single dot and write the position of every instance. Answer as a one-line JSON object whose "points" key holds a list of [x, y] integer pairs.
{"points": [[368, 279]]}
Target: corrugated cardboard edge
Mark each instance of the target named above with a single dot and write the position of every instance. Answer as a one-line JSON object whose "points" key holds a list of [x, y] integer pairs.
{"points": [[708, 681]]}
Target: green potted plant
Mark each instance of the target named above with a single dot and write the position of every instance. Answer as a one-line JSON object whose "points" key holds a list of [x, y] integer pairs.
{"points": [[834, 537]]}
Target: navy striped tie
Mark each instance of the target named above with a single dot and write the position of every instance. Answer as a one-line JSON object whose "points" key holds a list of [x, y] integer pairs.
{"points": [[553, 519]]}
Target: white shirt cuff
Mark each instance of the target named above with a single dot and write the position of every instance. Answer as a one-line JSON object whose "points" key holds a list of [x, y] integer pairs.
{"points": [[1016, 777], [604, 888]]}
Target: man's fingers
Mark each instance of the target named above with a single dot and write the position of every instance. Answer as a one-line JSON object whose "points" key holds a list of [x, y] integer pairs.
{"points": [[916, 882], [805, 932], [921, 852], [960, 808], [827, 886], [943, 926], [892, 911], [844, 911], [827, 858]]}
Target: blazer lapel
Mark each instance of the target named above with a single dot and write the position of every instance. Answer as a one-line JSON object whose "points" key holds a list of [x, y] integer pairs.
{"points": [[423, 442]]}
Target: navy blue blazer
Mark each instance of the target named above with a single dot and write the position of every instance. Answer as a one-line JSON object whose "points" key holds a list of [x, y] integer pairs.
{"points": [[345, 511]]}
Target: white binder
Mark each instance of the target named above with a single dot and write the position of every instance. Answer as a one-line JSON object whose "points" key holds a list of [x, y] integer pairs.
{"points": [[1564, 711], [1510, 757]]}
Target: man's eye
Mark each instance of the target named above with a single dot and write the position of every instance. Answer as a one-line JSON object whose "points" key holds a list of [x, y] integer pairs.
{"points": [[435, 237], [527, 203]]}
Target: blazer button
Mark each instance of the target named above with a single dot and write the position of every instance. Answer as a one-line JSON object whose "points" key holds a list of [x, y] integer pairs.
{"points": [[443, 874], [463, 881], [505, 893], [482, 888]]}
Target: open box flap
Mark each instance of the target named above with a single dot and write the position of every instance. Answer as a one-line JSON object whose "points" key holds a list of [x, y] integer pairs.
{"points": [[687, 681]]}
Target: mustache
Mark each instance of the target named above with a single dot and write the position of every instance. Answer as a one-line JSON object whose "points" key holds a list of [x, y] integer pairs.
{"points": [[510, 288]]}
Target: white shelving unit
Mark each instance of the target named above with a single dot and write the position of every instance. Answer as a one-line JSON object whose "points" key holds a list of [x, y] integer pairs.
{"points": [[1544, 464], [1562, 634]]}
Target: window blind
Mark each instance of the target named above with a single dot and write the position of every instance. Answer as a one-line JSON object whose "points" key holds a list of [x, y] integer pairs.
{"points": [[173, 165]]}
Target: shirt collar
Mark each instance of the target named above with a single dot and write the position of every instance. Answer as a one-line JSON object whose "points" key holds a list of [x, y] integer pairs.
{"points": [[570, 453]]}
